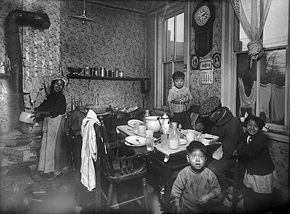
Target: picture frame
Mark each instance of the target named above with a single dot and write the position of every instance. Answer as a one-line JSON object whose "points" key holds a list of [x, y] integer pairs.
{"points": [[194, 62], [216, 60]]}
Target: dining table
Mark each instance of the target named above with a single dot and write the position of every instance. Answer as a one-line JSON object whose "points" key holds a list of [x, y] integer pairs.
{"points": [[163, 163]]}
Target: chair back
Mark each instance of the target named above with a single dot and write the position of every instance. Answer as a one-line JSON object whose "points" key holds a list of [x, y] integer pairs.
{"points": [[116, 159]]}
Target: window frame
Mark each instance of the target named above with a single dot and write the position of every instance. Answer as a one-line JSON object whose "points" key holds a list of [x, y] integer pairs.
{"points": [[170, 10], [230, 49]]}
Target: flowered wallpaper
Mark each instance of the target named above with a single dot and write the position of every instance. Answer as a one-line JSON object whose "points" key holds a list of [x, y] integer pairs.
{"points": [[115, 40], [202, 91]]}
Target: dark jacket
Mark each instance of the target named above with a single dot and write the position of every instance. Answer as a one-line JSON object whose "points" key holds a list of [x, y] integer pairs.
{"points": [[229, 129], [259, 160], [54, 103]]}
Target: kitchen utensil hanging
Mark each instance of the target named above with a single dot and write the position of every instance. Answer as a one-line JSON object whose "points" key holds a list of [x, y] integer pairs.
{"points": [[83, 17]]}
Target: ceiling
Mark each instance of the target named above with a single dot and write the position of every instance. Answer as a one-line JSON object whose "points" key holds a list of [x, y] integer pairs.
{"points": [[138, 6]]}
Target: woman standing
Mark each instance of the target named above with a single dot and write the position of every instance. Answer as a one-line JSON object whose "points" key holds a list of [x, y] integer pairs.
{"points": [[51, 111]]}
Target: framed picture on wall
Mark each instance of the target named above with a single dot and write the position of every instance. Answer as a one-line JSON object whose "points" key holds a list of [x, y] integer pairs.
{"points": [[216, 60], [194, 62]]}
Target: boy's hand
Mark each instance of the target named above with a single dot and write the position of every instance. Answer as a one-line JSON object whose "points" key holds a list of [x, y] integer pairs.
{"points": [[203, 200]]}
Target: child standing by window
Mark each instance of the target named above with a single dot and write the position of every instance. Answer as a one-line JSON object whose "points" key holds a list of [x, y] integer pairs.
{"points": [[260, 177], [196, 185], [179, 101]]}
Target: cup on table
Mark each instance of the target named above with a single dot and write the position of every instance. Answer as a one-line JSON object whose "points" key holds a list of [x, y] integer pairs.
{"points": [[136, 128], [149, 140], [190, 137], [142, 130]]}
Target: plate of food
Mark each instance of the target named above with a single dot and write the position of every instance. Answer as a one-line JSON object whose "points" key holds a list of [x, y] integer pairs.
{"points": [[135, 140], [133, 122]]}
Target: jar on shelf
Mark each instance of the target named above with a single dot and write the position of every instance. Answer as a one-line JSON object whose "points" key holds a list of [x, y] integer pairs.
{"points": [[121, 74]]}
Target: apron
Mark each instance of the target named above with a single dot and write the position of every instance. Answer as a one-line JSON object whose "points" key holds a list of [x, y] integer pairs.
{"points": [[50, 152]]}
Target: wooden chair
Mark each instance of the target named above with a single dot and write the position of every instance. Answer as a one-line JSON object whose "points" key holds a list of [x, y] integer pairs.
{"points": [[234, 193], [118, 165]]}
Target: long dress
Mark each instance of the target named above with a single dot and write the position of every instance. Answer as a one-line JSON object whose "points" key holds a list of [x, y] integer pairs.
{"points": [[52, 158]]}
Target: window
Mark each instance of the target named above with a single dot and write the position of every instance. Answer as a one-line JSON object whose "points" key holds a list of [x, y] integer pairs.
{"points": [[262, 87], [171, 50], [173, 57]]}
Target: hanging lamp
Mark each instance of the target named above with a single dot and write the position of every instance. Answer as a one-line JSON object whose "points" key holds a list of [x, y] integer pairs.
{"points": [[83, 17]]}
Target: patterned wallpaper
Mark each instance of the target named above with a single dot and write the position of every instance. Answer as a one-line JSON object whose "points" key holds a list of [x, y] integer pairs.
{"points": [[200, 91], [115, 40]]}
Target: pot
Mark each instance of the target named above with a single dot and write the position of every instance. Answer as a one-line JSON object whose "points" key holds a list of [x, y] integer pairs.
{"points": [[26, 117], [152, 123]]}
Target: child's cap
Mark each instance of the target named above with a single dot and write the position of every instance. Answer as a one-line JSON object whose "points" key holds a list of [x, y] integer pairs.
{"points": [[59, 77], [209, 106], [196, 145]]}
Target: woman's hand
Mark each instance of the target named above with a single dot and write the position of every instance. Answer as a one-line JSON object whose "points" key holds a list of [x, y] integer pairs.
{"points": [[36, 116]]}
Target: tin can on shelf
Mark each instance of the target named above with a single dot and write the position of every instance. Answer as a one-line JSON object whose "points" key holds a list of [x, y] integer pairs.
{"points": [[102, 72], [121, 74]]}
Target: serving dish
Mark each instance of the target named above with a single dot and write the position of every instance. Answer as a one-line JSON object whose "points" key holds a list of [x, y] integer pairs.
{"points": [[208, 139], [134, 121]]}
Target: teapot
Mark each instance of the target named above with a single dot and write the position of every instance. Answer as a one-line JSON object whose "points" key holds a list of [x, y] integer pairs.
{"points": [[152, 123], [165, 124]]}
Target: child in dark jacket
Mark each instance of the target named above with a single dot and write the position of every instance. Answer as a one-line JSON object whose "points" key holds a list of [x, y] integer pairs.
{"points": [[260, 178]]}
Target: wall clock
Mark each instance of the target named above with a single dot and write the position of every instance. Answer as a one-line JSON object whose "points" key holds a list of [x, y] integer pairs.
{"points": [[202, 21]]}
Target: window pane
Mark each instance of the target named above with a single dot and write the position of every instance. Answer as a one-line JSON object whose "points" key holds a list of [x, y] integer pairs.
{"points": [[276, 26], [170, 39], [243, 39], [179, 36], [167, 82], [272, 90]]}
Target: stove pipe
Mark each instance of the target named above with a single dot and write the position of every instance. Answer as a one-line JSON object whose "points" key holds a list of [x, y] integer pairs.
{"points": [[13, 49]]}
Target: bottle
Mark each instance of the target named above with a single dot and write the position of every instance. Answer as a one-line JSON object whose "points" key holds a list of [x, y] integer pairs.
{"points": [[173, 138], [146, 114]]}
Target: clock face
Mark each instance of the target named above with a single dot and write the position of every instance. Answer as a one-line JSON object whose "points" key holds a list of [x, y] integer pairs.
{"points": [[202, 15]]}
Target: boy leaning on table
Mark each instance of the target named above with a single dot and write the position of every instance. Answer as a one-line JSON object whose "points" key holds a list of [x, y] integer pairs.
{"points": [[180, 100], [229, 130]]}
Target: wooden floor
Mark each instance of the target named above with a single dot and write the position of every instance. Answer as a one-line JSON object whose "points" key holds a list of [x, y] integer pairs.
{"points": [[65, 194]]}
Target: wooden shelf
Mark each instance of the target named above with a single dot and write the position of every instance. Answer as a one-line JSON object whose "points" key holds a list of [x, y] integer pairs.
{"points": [[72, 76]]}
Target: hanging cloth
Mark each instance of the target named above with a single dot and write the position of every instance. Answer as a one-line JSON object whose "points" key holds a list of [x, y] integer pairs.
{"points": [[265, 94], [277, 102], [247, 101]]}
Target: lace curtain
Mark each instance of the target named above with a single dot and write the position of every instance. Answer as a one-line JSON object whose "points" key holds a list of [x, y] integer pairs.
{"points": [[252, 15]]}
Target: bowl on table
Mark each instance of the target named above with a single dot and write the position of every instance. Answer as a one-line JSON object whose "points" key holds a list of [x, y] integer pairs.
{"points": [[208, 139]]}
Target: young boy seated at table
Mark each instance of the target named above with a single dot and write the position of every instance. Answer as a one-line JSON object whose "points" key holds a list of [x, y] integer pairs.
{"points": [[196, 187]]}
